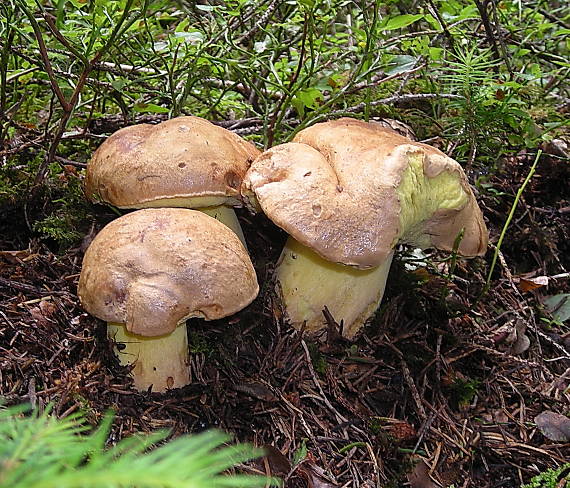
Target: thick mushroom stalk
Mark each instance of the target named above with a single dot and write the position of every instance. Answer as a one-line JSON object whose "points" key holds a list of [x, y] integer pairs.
{"points": [[307, 284], [349, 191], [150, 270], [158, 361], [228, 217]]}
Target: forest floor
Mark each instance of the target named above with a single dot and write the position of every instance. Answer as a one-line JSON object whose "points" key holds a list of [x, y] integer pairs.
{"points": [[442, 388]]}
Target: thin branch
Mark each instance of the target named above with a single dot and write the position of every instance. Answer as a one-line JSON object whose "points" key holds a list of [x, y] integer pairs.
{"points": [[262, 22], [45, 58], [287, 97], [397, 99], [482, 7]]}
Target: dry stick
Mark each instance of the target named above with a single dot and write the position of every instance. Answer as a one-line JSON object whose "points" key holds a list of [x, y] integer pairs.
{"points": [[413, 390], [553, 18], [4, 80], [397, 99], [442, 24], [340, 417], [47, 64], [260, 23], [502, 43]]}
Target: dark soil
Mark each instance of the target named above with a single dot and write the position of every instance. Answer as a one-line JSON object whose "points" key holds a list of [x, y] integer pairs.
{"points": [[435, 385]]}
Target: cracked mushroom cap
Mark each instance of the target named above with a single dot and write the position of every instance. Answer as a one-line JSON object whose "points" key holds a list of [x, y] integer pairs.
{"points": [[182, 162], [351, 190], [153, 268]]}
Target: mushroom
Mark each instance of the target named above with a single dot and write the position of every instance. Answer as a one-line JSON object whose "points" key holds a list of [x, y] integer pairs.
{"points": [[348, 192], [183, 162], [148, 271]]}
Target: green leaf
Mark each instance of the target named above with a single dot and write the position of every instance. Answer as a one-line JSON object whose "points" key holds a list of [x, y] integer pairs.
{"points": [[300, 453], [558, 306], [118, 84], [399, 64], [150, 107], [401, 21]]}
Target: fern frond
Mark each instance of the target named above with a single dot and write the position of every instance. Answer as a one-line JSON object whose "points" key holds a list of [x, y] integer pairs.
{"points": [[41, 451]]}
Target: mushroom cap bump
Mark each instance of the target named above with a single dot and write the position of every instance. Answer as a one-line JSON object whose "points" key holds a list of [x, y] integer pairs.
{"points": [[350, 190], [182, 162], [154, 268]]}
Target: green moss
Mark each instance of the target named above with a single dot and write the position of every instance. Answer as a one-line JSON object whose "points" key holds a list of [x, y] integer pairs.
{"points": [[199, 344], [318, 360], [65, 220], [551, 478], [464, 390]]}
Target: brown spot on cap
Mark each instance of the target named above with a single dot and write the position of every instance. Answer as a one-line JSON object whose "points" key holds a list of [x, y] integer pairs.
{"points": [[232, 180]]}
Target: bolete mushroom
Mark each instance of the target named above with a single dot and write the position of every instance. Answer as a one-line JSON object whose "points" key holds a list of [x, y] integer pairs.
{"points": [[183, 162], [148, 271], [347, 192]]}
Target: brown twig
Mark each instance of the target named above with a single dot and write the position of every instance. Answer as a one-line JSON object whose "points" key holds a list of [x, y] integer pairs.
{"points": [[262, 21], [482, 7]]}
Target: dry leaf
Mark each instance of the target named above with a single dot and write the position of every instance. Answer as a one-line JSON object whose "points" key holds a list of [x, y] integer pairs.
{"points": [[43, 312], [278, 463], [314, 475], [419, 477], [522, 341], [256, 390], [401, 431], [512, 338], [528, 284], [506, 334], [16, 257], [554, 426]]}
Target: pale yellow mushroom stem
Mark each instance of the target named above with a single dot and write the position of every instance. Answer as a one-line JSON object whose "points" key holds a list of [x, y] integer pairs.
{"points": [[161, 361], [307, 283], [212, 206], [228, 217]]}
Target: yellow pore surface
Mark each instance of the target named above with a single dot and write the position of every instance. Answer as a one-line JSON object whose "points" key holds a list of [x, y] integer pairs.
{"points": [[421, 196]]}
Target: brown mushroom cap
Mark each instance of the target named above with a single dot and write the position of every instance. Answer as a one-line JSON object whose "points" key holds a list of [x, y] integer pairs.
{"points": [[350, 190], [176, 160], [153, 268]]}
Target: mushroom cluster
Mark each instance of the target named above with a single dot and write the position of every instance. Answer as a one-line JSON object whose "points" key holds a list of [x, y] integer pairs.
{"points": [[150, 270], [347, 192]]}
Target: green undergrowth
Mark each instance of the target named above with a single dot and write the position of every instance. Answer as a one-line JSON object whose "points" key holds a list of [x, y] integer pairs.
{"points": [[551, 478], [42, 451], [281, 65]]}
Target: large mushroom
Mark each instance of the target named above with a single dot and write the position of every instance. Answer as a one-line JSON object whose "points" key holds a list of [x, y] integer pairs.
{"points": [[183, 162], [348, 192], [148, 271]]}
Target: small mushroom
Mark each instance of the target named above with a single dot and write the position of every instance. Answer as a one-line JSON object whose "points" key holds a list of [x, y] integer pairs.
{"points": [[148, 271], [183, 162], [347, 192]]}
